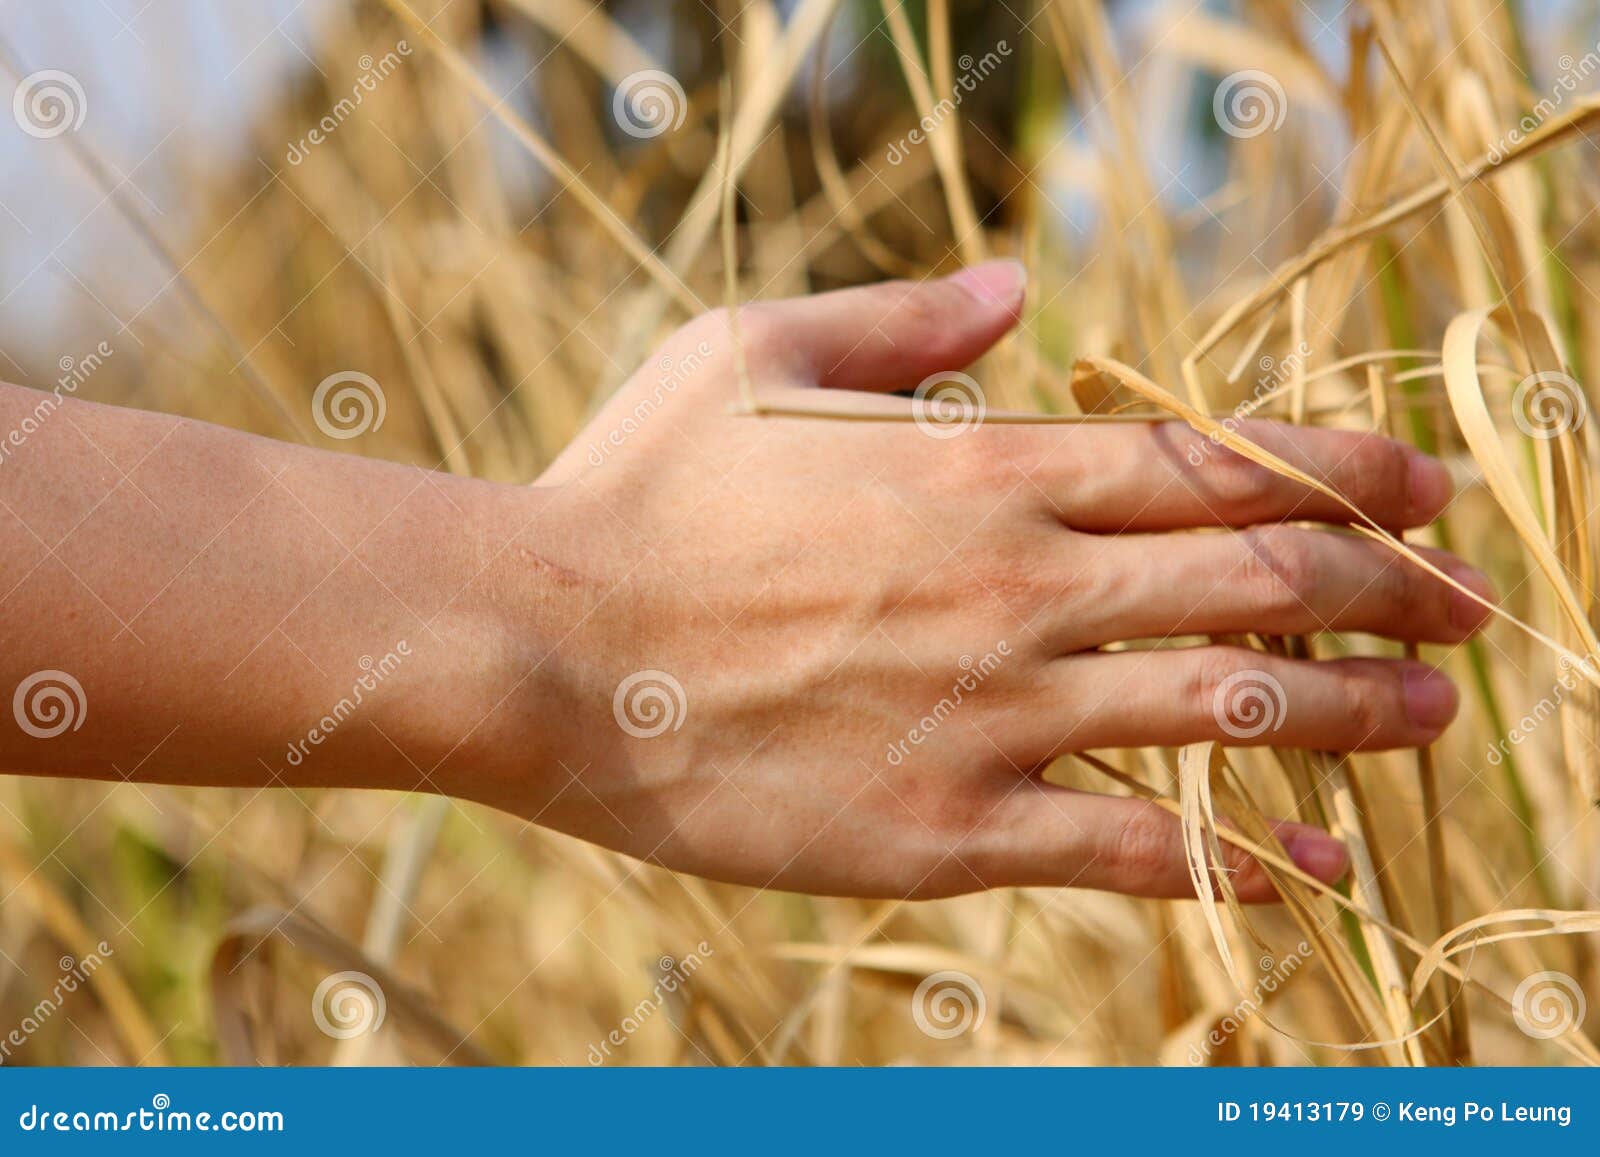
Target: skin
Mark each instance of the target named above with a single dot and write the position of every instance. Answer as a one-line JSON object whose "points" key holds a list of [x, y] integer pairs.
{"points": [[811, 591]]}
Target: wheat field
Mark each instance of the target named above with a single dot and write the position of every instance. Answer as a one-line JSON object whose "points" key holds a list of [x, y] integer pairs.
{"points": [[1373, 216]]}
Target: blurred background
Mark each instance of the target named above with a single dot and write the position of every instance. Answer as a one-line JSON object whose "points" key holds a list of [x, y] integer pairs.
{"points": [[493, 208]]}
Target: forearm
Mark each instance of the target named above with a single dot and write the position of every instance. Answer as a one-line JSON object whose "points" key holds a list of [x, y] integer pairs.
{"points": [[244, 612]]}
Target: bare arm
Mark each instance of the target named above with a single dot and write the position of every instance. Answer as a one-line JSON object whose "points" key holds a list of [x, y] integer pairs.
{"points": [[224, 609]]}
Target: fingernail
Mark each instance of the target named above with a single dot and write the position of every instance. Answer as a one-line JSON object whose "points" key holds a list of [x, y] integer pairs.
{"points": [[1318, 854], [994, 282], [1467, 614], [1430, 698], [1428, 488]]}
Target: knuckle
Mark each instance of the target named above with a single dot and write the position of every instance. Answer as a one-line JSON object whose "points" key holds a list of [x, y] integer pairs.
{"points": [[1240, 484], [1373, 473], [1144, 845], [984, 459], [1213, 667], [715, 331], [1280, 569], [1402, 592], [1368, 704], [918, 302]]}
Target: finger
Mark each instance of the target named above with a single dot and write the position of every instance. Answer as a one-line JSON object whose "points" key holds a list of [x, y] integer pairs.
{"points": [[1240, 697], [1052, 836], [1114, 478], [1277, 580], [893, 335]]}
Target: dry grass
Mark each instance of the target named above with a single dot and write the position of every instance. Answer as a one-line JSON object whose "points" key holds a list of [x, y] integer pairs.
{"points": [[498, 265]]}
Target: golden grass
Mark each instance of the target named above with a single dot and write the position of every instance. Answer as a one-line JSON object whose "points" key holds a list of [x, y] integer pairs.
{"points": [[498, 272]]}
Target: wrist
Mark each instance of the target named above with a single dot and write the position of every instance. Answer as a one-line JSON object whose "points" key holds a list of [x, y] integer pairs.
{"points": [[497, 697]]}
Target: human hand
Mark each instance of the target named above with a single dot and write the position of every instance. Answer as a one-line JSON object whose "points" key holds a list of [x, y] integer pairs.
{"points": [[835, 656]]}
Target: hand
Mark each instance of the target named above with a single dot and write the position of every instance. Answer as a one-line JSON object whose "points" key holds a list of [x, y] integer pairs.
{"points": [[835, 656]]}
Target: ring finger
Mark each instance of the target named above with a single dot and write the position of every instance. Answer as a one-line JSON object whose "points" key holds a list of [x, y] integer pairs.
{"points": [[1278, 580]]}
